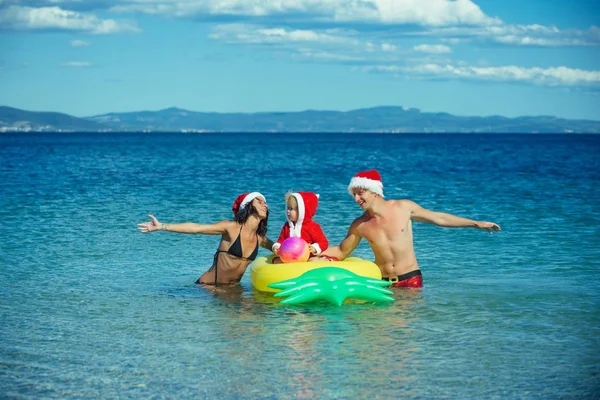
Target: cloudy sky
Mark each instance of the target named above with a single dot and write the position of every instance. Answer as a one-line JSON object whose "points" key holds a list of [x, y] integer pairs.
{"points": [[466, 57]]}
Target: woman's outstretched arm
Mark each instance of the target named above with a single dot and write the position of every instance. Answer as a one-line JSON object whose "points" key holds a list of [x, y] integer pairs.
{"points": [[186, 227]]}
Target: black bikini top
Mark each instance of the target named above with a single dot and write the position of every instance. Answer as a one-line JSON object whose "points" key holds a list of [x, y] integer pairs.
{"points": [[236, 249]]}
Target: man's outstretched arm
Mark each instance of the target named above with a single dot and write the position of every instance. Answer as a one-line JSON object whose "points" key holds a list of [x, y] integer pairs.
{"points": [[346, 246], [420, 214]]}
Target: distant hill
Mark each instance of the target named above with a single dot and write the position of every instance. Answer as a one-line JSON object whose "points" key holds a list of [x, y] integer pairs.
{"points": [[377, 119], [21, 120]]}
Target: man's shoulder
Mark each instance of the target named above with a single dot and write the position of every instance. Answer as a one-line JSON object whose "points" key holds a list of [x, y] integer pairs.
{"points": [[401, 203], [359, 220]]}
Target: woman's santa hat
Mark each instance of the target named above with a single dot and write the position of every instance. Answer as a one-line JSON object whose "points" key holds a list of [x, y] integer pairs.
{"points": [[244, 199], [370, 180]]}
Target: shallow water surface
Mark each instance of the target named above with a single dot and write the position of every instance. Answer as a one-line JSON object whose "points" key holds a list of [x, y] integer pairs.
{"points": [[92, 308]]}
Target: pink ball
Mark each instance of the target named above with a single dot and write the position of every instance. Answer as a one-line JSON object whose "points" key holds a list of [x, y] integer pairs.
{"points": [[294, 249]]}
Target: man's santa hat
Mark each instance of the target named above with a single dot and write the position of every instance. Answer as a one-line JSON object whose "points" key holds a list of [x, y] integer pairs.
{"points": [[370, 180], [243, 200]]}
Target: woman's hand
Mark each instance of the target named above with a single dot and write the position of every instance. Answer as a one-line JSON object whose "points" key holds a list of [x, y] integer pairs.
{"points": [[275, 248]]}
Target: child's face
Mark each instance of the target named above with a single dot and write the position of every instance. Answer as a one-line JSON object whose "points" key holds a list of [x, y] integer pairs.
{"points": [[292, 211]]}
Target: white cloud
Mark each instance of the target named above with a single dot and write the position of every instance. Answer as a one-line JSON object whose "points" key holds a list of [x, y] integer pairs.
{"points": [[452, 41], [77, 64], [432, 48], [26, 18], [388, 47], [520, 35], [552, 76], [454, 21], [329, 45], [393, 69], [242, 33], [79, 43], [422, 12], [338, 39], [321, 55]]}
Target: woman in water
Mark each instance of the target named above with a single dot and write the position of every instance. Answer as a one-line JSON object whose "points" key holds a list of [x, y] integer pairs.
{"points": [[240, 238]]}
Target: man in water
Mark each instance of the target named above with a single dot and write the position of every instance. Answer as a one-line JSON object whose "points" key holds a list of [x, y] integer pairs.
{"points": [[387, 226]]}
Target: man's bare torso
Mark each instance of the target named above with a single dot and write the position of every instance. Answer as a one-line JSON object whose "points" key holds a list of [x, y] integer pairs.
{"points": [[391, 239]]}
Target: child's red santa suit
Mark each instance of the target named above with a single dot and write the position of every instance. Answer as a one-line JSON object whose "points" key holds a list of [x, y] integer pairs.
{"points": [[305, 227]]}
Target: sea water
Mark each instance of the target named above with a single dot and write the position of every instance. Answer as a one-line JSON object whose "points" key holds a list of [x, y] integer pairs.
{"points": [[92, 308]]}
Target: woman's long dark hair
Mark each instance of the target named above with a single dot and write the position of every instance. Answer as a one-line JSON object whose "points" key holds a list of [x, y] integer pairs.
{"points": [[242, 216]]}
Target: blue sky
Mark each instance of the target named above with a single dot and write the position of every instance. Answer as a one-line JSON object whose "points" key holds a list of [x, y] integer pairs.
{"points": [[465, 57]]}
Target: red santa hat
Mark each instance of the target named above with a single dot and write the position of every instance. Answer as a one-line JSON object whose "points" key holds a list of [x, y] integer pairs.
{"points": [[244, 199], [307, 207], [370, 180]]}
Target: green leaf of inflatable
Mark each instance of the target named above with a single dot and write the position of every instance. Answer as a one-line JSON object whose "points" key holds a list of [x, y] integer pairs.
{"points": [[332, 284]]}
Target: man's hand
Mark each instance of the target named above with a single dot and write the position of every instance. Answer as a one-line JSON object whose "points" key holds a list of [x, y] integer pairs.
{"points": [[488, 226]]}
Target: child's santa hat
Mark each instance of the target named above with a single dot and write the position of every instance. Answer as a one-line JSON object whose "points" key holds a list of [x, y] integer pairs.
{"points": [[244, 199], [370, 180]]}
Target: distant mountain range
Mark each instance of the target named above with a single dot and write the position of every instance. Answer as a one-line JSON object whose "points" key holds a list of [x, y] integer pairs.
{"points": [[13, 119], [377, 119]]}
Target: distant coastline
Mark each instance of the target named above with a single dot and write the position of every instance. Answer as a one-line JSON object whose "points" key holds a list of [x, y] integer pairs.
{"points": [[383, 119]]}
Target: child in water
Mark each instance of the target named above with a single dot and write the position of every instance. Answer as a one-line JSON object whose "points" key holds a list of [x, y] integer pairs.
{"points": [[301, 207]]}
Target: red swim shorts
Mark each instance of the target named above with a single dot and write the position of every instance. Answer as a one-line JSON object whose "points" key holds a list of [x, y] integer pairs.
{"points": [[412, 279]]}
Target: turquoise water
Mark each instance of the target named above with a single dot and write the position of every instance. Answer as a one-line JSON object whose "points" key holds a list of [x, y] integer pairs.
{"points": [[91, 308]]}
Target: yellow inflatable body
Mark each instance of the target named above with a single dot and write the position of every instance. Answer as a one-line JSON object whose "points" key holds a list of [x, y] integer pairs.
{"points": [[263, 273]]}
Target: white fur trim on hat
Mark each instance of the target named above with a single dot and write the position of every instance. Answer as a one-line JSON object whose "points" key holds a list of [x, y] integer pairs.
{"points": [[296, 228], [365, 183], [249, 197]]}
